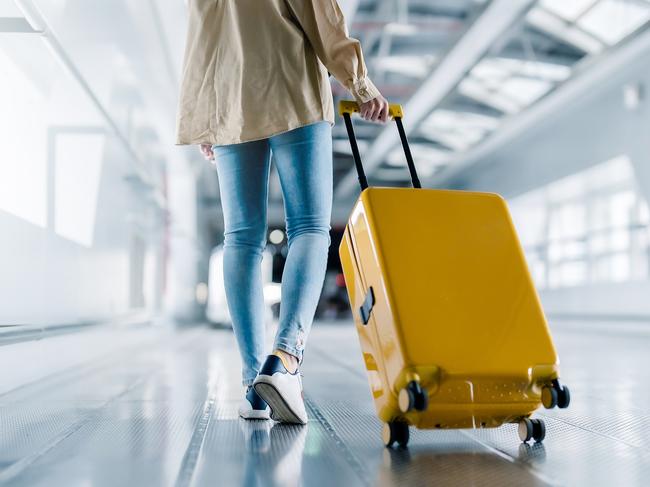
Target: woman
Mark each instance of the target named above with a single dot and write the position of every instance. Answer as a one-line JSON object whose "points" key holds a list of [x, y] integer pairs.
{"points": [[256, 83]]}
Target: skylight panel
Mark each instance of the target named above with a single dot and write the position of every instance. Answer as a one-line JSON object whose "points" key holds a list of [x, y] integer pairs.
{"points": [[451, 119], [423, 154], [612, 20], [474, 89], [536, 69], [525, 91], [457, 130], [558, 28], [567, 9], [414, 66], [456, 141], [488, 69]]}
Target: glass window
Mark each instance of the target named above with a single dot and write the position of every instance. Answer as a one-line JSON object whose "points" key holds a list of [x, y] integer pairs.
{"points": [[457, 130], [612, 20], [568, 10], [75, 204], [23, 132], [51, 137], [593, 226]]}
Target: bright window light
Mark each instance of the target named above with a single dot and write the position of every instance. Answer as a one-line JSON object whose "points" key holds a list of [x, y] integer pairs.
{"points": [[567, 9], [78, 157], [420, 152], [488, 69], [558, 28], [23, 159], [414, 66], [525, 91], [473, 88], [612, 20], [457, 130], [511, 84], [533, 69], [454, 120], [590, 227]]}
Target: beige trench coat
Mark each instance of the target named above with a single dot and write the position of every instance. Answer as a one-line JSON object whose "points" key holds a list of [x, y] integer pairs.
{"points": [[255, 68]]}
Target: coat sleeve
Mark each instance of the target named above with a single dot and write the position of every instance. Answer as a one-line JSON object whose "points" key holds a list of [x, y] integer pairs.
{"points": [[324, 25]]}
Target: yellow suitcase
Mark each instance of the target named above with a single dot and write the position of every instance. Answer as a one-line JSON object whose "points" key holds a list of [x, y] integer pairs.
{"points": [[451, 328]]}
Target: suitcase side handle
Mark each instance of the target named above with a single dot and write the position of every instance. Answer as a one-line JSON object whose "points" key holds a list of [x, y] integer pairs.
{"points": [[346, 109]]}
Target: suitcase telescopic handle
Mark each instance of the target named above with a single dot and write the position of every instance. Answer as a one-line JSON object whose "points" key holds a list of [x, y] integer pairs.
{"points": [[346, 109]]}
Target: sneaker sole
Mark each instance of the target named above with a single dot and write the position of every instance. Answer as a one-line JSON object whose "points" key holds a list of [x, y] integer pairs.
{"points": [[254, 414], [280, 410]]}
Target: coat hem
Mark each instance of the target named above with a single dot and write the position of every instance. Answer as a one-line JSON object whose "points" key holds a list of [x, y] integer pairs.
{"points": [[240, 140]]}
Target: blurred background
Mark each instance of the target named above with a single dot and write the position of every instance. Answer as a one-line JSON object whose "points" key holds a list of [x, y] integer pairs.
{"points": [[104, 219], [107, 227]]}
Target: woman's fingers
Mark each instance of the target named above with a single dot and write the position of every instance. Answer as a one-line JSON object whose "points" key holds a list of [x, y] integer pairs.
{"points": [[363, 111], [385, 111], [372, 109], [375, 110], [206, 150]]}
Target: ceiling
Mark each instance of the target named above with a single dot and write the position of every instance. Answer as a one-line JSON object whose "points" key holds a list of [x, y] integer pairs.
{"points": [[457, 93], [463, 69]]}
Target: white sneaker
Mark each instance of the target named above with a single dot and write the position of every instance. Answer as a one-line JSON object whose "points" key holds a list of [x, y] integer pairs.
{"points": [[253, 406], [282, 391]]}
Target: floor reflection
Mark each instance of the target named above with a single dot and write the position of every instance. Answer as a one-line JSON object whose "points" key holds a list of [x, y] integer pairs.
{"points": [[532, 453], [421, 467], [274, 453]]}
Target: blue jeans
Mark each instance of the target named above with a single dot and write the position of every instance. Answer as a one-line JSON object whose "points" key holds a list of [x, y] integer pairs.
{"points": [[303, 158]]}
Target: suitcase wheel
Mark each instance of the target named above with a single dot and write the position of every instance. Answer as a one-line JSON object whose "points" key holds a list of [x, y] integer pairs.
{"points": [[556, 395], [549, 397], [395, 432], [413, 396], [564, 398], [534, 429]]}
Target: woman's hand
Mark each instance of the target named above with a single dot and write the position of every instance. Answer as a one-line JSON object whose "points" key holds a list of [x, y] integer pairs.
{"points": [[375, 110], [206, 150]]}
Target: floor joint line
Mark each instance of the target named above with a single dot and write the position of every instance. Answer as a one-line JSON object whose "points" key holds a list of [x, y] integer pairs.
{"points": [[191, 457], [350, 457]]}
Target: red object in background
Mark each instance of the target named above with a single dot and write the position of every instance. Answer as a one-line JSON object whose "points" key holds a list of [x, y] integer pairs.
{"points": [[340, 280]]}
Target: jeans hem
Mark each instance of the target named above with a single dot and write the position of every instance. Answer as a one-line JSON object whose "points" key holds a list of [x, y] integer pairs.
{"points": [[289, 349]]}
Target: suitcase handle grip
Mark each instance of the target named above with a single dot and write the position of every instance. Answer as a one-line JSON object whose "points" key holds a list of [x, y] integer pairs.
{"points": [[352, 107], [346, 109]]}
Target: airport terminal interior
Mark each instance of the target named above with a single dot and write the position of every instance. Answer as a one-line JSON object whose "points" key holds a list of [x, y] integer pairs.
{"points": [[118, 361]]}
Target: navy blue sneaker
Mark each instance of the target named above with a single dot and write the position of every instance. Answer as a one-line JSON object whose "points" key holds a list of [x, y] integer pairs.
{"points": [[282, 391], [253, 406]]}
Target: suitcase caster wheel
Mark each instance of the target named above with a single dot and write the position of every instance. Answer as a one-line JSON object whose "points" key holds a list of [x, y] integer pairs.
{"points": [[395, 432], [549, 397], [406, 400], [539, 430], [413, 396], [563, 397], [556, 395], [532, 429]]}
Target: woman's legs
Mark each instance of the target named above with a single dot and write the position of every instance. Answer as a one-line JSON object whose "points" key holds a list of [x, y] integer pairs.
{"points": [[303, 158], [243, 171]]}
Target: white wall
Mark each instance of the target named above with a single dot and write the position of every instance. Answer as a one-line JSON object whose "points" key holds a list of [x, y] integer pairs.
{"points": [[84, 176]]}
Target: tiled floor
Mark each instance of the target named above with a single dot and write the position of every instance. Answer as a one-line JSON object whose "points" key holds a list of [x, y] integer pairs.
{"points": [[165, 414]]}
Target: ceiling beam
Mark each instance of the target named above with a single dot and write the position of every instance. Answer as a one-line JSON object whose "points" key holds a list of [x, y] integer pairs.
{"points": [[495, 21], [590, 76]]}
